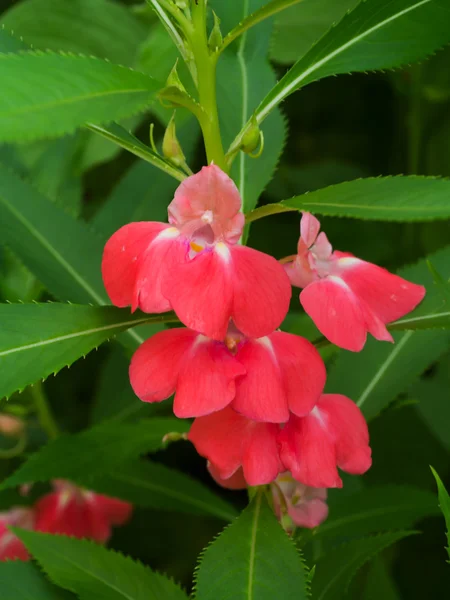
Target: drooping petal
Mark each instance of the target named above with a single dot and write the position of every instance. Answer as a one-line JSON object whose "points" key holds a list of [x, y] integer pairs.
{"points": [[200, 291], [157, 362], [211, 197], [262, 292], [308, 451], [336, 312], [11, 547], [167, 250], [207, 379], [260, 461], [219, 438], [350, 431], [302, 369], [122, 257], [235, 482], [230, 441], [308, 514], [260, 395], [388, 296], [116, 511]]}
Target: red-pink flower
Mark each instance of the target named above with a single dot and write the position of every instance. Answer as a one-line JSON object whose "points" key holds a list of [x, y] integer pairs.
{"points": [[347, 297], [230, 441], [195, 266], [302, 505], [263, 378], [70, 510], [10, 546], [333, 435]]}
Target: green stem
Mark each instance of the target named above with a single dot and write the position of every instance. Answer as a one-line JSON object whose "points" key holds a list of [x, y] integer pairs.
{"points": [[206, 72], [415, 120], [44, 412]]}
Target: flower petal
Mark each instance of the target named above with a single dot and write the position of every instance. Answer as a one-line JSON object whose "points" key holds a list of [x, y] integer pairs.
{"points": [[200, 291], [219, 438], [336, 312], [262, 292], [302, 369], [206, 382], [260, 395], [350, 431], [211, 195], [122, 256], [388, 296], [307, 450], [260, 462], [235, 482], [166, 251], [157, 362], [309, 229]]}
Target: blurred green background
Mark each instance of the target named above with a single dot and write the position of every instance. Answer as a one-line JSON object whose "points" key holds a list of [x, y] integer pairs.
{"points": [[339, 129]]}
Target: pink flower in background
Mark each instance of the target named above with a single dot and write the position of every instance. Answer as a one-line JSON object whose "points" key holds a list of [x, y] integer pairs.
{"points": [[261, 378], [229, 441], [11, 425], [11, 547], [334, 434], [195, 266], [347, 297], [304, 506], [70, 510]]}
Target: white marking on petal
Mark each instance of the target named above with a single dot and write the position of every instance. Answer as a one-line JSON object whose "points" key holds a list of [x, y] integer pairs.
{"points": [[223, 251], [208, 217], [167, 234], [348, 261]]}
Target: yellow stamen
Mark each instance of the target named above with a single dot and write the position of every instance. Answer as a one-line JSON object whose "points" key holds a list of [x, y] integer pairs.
{"points": [[195, 247]]}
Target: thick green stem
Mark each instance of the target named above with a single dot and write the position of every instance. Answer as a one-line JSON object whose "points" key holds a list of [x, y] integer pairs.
{"points": [[206, 73], [43, 411]]}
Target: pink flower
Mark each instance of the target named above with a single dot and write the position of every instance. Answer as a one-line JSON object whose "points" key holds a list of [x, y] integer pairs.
{"points": [[263, 379], [230, 441], [333, 435], [10, 546], [347, 297], [11, 425], [303, 506], [195, 266], [70, 510]]}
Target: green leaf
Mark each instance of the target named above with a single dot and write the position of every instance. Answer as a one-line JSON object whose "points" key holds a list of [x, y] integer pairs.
{"points": [[375, 35], [444, 505], [120, 136], [297, 28], [93, 27], [335, 571], [385, 370], [382, 199], [260, 14], [435, 320], [37, 340], [384, 507], [91, 571], [10, 43], [252, 559], [114, 398], [379, 583], [93, 453], [156, 486], [244, 74], [53, 94], [23, 581], [60, 251]]}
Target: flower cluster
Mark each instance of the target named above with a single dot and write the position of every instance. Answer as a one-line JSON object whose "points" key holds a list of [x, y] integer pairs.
{"points": [[256, 393], [67, 510]]}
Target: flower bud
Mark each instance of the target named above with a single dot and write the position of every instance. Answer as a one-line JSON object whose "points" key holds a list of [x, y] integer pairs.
{"points": [[251, 138], [11, 426], [171, 146]]}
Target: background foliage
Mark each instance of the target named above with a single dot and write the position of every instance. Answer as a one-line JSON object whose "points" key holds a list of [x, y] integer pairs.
{"points": [[60, 199]]}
